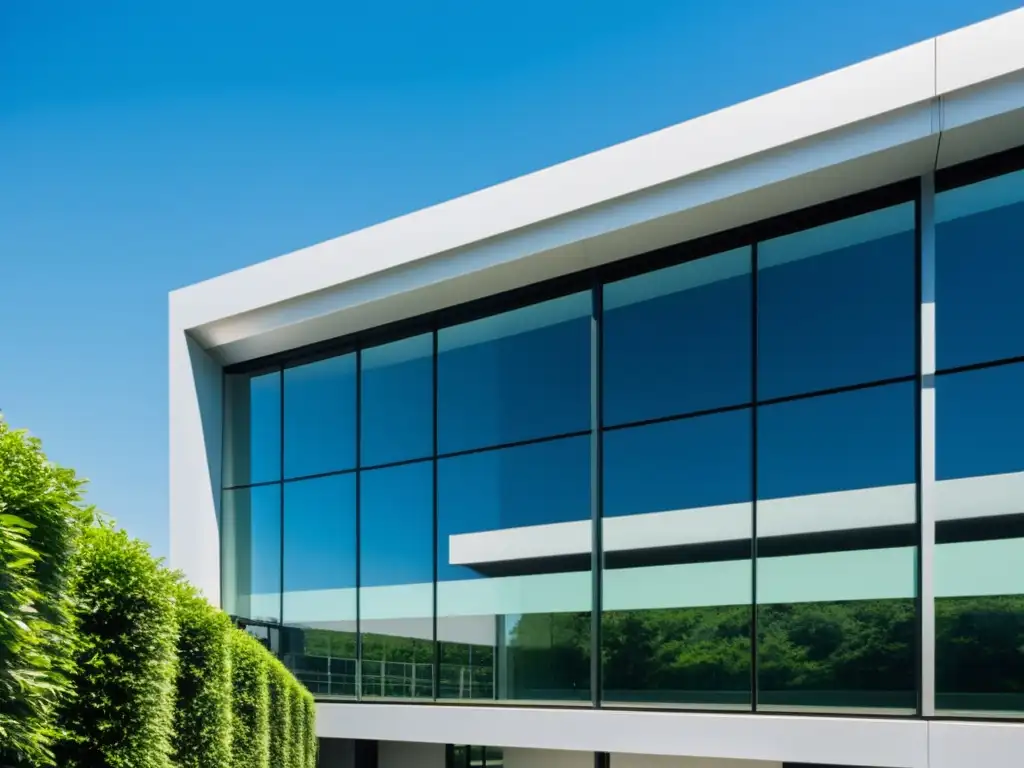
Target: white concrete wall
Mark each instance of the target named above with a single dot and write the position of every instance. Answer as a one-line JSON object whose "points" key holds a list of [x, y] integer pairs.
{"points": [[658, 761], [410, 754]]}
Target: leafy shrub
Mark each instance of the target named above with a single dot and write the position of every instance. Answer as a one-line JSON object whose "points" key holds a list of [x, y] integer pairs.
{"points": [[125, 656], [202, 715], [312, 745], [250, 704], [297, 712], [281, 738], [41, 522]]}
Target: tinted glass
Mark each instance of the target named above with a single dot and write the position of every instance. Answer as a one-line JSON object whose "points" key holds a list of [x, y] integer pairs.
{"points": [[979, 252], [251, 526], [678, 340], [836, 567], [836, 304], [514, 591], [252, 428], [979, 579], [320, 417], [320, 581], [515, 376], [396, 601], [677, 549], [397, 401]]}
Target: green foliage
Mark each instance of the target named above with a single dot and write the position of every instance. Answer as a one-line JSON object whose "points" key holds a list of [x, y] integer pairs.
{"points": [[312, 745], [40, 522], [250, 705], [297, 710], [202, 715], [123, 714], [280, 687]]}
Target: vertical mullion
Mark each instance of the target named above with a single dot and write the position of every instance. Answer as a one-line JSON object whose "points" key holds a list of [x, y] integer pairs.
{"points": [[596, 488], [280, 502], [359, 524], [436, 685], [753, 476], [925, 443]]}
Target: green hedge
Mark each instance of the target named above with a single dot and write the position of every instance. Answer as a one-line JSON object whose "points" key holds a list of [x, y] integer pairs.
{"points": [[250, 704], [40, 523], [126, 659], [297, 711], [108, 660], [281, 745], [202, 715], [312, 745]]}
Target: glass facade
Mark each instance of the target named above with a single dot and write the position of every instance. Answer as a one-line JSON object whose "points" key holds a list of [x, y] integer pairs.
{"points": [[692, 482]]}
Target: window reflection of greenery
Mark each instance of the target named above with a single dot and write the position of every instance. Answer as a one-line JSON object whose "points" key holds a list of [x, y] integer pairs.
{"points": [[831, 655]]}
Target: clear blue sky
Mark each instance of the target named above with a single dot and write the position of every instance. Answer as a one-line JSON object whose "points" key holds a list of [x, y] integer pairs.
{"points": [[145, 146]]}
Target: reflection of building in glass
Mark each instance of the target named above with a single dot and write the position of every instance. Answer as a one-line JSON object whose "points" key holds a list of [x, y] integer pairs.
{"points": [[739, 440]]}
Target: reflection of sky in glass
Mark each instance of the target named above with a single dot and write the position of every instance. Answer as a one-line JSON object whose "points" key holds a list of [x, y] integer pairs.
{"points": [[979, 252], [397, 401], [980, 422], [319, 417], [253, 429], [397, 525], [516, 376], [678, 340], [320, 533], [530, 485], [698, 462], [859, 439], [833, 316]]}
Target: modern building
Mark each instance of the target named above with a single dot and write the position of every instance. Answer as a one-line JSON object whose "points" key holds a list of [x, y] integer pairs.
{"points": [[706, 449]]}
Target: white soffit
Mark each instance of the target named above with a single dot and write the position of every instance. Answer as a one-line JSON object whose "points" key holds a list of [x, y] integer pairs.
{"points": [[859, 127]]}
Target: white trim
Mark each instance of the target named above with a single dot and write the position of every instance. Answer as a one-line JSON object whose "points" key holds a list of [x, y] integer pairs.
{"points": [[842, 741]]}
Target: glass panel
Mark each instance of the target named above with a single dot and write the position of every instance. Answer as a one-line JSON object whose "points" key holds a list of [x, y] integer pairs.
{"points": [[320, 582], [678, 340], [398, 401], [979, 578], [677, 549], [494, 757], [320, 417], [836, 304], [836, 568], [514, 587], [979, 270], [252, 428], [515, 376], [396, 599], [252, 553]]}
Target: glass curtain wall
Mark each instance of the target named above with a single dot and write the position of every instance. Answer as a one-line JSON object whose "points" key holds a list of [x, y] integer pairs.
{"points": [[417, 518], [979, 450]]}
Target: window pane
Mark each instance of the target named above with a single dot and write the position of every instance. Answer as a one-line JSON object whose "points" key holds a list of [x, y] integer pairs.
{"points": [[398, 401], [836, 567], [320, 417], [252, 553], [678, 340], [677, 579], [979, 270], [252, 428], [514, 591], [979, 579], [396, 600], [320, 582], [836, 304], [515, 376]]}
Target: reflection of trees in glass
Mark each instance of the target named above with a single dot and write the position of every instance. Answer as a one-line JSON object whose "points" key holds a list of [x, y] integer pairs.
{"points": [[980, 652], [838, 654], [835, 654]]}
